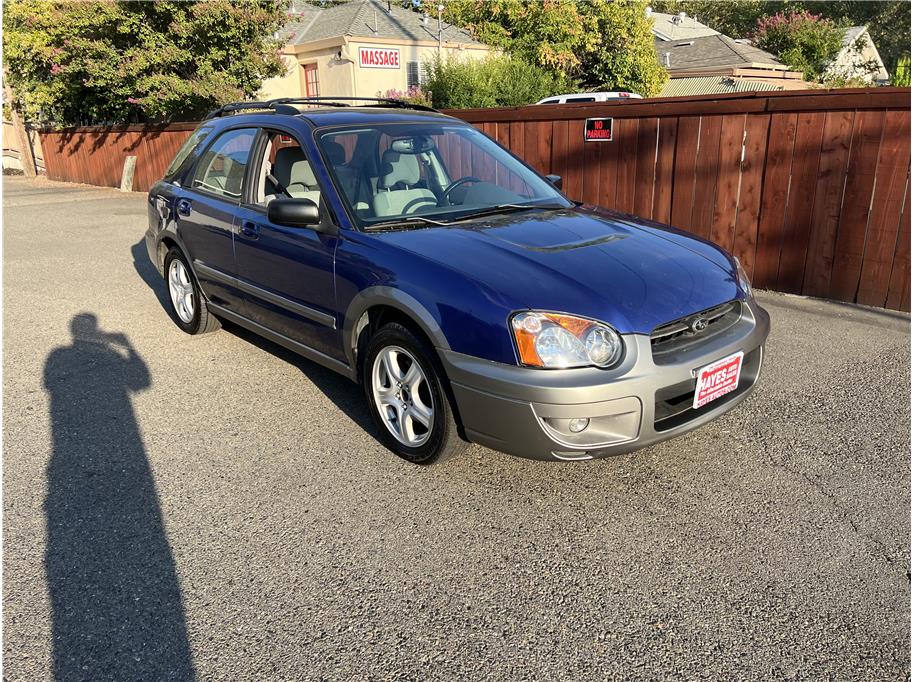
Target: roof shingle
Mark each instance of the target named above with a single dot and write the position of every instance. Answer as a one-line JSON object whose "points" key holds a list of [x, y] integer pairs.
{"points": [[365, 19], [711, 52]]}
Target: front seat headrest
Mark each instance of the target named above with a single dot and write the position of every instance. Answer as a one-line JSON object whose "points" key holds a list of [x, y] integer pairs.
{"points": [[396, 167], [335, 152], [292, 168]]}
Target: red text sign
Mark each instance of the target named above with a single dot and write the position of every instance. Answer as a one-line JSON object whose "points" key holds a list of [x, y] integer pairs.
{"points": [[378, 58], [717, 379], [598, 130]]}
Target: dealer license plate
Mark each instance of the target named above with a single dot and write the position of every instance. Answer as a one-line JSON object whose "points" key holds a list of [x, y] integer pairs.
{"points": [[717, 379]]}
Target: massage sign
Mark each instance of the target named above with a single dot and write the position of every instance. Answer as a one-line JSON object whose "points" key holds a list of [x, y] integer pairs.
{"points": [[378, 58], [598, 130]]}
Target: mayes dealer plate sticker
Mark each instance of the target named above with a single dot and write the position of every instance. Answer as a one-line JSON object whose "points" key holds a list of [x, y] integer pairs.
{"points": [[717, 379]]}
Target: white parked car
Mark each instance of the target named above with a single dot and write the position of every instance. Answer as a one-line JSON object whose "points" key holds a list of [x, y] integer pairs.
{"points": [[589, 97]]}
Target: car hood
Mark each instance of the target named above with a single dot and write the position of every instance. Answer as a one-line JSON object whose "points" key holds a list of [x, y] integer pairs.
{"points": [[632, 274]]}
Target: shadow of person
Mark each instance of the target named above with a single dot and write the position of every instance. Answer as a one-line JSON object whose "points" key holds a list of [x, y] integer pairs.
{"points": [[116, 602], [147, 272]]}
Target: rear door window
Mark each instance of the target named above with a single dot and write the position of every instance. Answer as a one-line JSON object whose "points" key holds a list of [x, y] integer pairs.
{"points": [[222, 167]]}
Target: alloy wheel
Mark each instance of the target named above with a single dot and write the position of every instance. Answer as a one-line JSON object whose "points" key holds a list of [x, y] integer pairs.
{"points": [[180, 286], [402, 396]]}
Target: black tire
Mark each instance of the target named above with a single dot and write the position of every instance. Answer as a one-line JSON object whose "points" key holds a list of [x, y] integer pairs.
{"points": [[202, 320], [443, 442]]}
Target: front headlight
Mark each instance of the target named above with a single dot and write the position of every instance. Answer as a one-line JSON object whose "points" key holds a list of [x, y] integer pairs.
{"points": [[743, 281], [556, 340]]}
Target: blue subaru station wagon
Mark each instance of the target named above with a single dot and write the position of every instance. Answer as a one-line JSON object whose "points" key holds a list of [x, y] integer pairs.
{"points": [[470, 298]]}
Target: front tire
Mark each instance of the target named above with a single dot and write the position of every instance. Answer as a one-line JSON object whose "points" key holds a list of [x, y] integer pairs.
{"points": [[187, 303], [406, 393]]}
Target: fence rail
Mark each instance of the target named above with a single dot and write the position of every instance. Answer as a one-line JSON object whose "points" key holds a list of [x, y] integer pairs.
{"points": [[810, 189]]}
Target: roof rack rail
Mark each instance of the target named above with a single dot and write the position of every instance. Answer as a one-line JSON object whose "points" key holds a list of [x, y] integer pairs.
{"points": [[285, 105], [233, 107], [382, 101]]}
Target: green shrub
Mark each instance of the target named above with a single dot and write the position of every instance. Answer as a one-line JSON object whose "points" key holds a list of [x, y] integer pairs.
{"points": [[900, 75], [497, 81]]}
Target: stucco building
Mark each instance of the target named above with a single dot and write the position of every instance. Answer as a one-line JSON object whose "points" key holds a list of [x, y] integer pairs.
{"points": [[859, 59], [363, 48]]}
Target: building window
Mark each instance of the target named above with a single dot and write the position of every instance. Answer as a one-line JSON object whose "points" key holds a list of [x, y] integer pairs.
{"points": [[311, 80], [414, 74]]}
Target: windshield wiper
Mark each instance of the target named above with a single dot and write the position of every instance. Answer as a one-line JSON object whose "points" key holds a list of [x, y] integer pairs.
{"points": [[502, 208], [411, 220], [491, 210]]}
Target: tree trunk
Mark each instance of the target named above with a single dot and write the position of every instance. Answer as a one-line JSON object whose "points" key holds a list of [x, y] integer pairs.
{"points": [[26, 156]]}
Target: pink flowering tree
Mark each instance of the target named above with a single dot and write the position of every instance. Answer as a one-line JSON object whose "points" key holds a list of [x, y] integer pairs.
{"points": [[116, 62], [806, 42], [414, 95]]}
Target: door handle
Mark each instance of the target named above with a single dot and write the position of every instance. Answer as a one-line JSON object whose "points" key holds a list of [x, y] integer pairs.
{"points": [[250, 229], [184, 206]]}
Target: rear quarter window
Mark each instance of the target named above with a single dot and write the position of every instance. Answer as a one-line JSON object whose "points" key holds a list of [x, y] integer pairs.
{"points": [[190, 145]]}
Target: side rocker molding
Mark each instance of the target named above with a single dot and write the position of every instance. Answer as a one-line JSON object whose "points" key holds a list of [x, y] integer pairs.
{"points": [[282, 340]]}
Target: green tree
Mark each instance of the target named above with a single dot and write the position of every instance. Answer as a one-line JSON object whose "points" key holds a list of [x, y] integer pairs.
{"points": [[114, 61], [623, 56], [604, 44], [806, 42], [900, 77], [498, 81]]}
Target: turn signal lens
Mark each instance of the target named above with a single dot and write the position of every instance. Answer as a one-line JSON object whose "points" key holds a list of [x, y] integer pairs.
{"points": [[742, 278], [556, 340]]}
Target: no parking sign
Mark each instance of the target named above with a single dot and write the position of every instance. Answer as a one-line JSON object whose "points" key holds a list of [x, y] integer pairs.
{"points": [[598, 130]]}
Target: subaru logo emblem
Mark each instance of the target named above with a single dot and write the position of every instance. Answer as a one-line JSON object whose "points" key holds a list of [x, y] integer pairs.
{"points": [[698, 324]]}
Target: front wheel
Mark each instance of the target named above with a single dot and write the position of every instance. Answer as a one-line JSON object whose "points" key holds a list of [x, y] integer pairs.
{"points": [[406, 394]]}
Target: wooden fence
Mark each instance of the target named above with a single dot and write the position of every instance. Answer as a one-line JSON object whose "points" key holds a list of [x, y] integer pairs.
{"points": [[95, 155], [810, 189]]}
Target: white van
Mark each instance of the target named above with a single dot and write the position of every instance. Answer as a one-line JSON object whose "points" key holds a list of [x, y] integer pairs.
{"points": [[589, 97]]}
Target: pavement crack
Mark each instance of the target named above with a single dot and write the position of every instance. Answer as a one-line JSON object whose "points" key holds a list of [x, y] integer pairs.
{"points": [[875, 546]]}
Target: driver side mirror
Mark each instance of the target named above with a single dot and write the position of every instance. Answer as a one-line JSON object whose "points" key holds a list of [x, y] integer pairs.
{"points": [[555, 180], [293, 212]]}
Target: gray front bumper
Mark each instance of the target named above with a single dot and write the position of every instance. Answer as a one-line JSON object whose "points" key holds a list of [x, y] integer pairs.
{"points": [[513, 409]]}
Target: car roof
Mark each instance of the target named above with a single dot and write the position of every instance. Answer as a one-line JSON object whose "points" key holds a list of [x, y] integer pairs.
{"points": [[333, 116]]}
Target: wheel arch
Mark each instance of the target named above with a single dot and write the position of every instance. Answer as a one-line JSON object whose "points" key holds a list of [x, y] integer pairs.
{"points": [[168, 240], [377, 304]]}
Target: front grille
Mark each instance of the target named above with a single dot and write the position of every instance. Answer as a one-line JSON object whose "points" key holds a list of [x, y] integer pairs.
{"points": [[683, 333]]}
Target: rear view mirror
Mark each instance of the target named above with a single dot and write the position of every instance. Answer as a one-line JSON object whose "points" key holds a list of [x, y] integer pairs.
{"points": [[555, 180], [293, 212], [413, 145]]}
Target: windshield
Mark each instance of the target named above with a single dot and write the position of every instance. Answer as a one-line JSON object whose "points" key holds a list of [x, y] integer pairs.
{"points": [[403, 173]]}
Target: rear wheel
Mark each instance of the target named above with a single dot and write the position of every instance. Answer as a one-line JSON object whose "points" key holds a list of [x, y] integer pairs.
{"points": [[406, 392], [189, 307]]}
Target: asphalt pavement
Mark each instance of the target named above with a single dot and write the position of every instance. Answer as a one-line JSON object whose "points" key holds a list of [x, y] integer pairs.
{"points": [[215, 508]]}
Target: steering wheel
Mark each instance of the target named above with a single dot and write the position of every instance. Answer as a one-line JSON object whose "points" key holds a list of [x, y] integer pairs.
{"points": [[445, 197]]}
